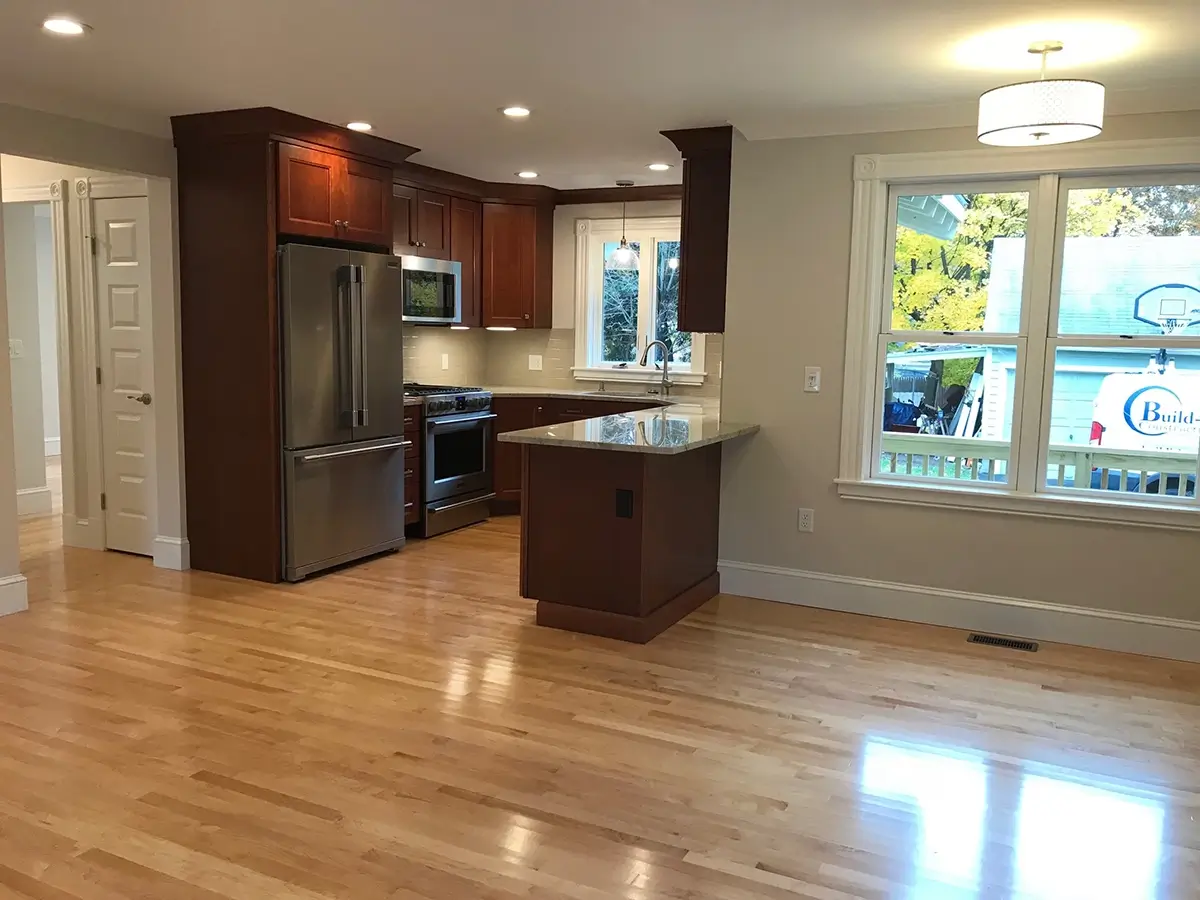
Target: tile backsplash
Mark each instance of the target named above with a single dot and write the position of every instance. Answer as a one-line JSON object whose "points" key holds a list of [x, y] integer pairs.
{"points": [[465, 354], [479, 357]]}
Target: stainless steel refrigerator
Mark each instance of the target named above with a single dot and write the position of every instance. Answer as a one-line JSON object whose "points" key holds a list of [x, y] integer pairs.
{"points": [[343, 406]]}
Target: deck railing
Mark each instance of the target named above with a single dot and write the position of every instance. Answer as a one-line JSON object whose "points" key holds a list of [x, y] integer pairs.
{"points": [[983, 459]]}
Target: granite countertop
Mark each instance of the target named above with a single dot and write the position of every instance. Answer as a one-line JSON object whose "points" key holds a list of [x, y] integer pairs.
{"points": [[676, 429], [570, 394]]}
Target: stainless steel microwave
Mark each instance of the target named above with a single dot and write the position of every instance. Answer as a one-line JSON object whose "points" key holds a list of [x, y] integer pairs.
{"points": [[432, 290]]}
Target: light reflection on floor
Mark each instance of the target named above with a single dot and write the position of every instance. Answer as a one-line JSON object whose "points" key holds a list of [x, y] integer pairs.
{"points": [[1070, 839]]}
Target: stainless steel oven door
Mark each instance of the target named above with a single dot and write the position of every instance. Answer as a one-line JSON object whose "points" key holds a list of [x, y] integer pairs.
{"points": [[458, 455], [432, 290]]}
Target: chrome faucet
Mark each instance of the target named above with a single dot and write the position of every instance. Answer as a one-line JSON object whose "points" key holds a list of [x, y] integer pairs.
{"points": [[666, 351]]}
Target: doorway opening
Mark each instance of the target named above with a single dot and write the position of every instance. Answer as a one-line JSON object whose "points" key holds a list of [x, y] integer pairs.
{"points": [[77, 250]]}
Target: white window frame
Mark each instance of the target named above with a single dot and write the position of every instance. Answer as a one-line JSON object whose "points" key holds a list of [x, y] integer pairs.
{"points": [[590, 237], [1052, 171]]}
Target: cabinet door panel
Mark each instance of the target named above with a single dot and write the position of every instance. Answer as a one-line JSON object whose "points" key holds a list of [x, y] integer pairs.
{"points": [[433, 225], [512, 414], [466, 237], [366, 203], [509, 272], [308, 192], [404, 210]]}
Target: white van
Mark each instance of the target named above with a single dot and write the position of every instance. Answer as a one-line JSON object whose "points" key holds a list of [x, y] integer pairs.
{"points": [[1148, 411]]}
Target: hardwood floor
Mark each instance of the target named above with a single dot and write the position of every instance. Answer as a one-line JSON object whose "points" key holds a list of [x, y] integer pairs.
{"points": [[400, 729]]}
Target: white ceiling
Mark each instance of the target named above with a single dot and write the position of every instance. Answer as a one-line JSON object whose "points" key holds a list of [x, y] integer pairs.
{"points": [[603, 76]]}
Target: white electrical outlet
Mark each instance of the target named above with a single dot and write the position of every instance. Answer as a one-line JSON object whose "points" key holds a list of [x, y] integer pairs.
{"points": [[16, 348], [804, 520], [445, 361], [812, 380], [535, 362]]}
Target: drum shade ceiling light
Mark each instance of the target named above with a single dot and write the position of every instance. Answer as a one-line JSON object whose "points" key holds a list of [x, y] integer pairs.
{"points": [[1043, 112]]}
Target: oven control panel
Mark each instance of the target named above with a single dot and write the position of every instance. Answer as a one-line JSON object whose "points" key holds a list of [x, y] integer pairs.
{"points": [[456, 404]]}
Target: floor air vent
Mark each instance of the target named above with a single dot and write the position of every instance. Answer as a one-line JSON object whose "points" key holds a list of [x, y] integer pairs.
{"points": [[992, 640]]}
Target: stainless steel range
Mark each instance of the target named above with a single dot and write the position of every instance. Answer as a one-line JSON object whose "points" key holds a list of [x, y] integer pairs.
{"points": [[458, 456]]}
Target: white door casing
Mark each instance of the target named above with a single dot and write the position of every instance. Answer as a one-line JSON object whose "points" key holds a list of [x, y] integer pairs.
{"points": [[121, 229]]}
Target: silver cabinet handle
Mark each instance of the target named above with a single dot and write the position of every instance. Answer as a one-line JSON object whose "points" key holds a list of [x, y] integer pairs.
{"points": [[144, 399], [337, 454]]}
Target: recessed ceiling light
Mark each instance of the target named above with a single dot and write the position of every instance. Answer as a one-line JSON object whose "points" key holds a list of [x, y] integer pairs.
{"points": [[527, 174], [64, 26], [359, 126], [515, 112], [659, 167]]}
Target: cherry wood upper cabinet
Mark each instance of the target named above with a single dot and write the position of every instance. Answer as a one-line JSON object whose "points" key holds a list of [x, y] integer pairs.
{"points": [[433, 225], [404, 206], [518, 245], [308, 192], [466, 247], [704, 229], [324, 195], [366, 203]]}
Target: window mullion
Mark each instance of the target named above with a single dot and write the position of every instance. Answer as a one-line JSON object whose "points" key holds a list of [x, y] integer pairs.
{"points": [[1030, 421], [647, 269]]}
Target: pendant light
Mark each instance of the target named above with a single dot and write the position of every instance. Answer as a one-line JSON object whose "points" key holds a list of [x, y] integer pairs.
{"points": [[1043, 112], [624, 258]]}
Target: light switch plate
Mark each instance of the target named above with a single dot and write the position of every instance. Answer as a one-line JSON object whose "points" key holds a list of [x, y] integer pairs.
{"points": [[16, 348], [445, 361], [535, 362], [812, 380]]}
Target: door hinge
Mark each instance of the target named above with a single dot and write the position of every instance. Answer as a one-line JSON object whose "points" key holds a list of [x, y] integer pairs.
{"points": [[99, 375], [104, 501]]}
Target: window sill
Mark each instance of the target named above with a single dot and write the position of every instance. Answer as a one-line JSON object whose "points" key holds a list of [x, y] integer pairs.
{"points": [[638, 375], [1180, 516]]}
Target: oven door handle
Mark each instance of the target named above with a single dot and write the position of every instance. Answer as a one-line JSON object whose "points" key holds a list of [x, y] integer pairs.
{"points": [[435, 424], [441, 508]]}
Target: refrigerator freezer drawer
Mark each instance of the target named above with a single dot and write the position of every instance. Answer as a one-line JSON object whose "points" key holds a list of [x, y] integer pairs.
{"points": [[342, 503]]}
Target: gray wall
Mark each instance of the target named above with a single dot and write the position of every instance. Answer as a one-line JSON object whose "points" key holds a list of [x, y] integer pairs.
{"points": [[21, 282], [788, 285]]}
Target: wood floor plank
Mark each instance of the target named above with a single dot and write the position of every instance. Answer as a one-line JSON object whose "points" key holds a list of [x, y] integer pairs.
{"points": [[401, 729]]}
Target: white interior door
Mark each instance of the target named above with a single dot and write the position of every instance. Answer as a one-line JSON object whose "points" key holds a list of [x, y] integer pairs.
{"points": [[122, 229]]}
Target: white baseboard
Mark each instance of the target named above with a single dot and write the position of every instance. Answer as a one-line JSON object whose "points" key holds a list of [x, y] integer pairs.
{"points": [[172, 553], [14, 596], [1082, 626], [34, 501], [53, 446], [83, 533]]}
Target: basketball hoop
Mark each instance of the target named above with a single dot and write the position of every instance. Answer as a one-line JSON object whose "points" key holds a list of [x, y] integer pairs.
{"points": [[1172, 307]]}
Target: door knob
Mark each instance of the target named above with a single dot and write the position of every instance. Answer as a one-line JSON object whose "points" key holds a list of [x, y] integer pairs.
{"points": [[144, 399]]}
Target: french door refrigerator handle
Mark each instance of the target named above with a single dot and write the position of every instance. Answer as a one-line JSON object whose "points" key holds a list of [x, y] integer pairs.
{"points": [[356, 348], [338, 454], [362, 345], [345, 299]]}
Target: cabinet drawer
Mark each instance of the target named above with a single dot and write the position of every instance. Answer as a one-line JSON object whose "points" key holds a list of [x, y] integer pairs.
{"points": [[412, 491], [412, 453]]}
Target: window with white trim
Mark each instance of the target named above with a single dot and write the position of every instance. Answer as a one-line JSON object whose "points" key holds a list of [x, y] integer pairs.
{"points": [[618, 313], [1028, 342]]}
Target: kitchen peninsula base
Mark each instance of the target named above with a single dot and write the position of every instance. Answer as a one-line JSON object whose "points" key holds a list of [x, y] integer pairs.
{"points": [[621, 545]]}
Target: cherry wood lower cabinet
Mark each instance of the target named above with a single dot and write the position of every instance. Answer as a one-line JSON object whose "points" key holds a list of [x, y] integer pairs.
{"points": [[517, 413], [413, 457], [512, 414], [616, 543]]}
